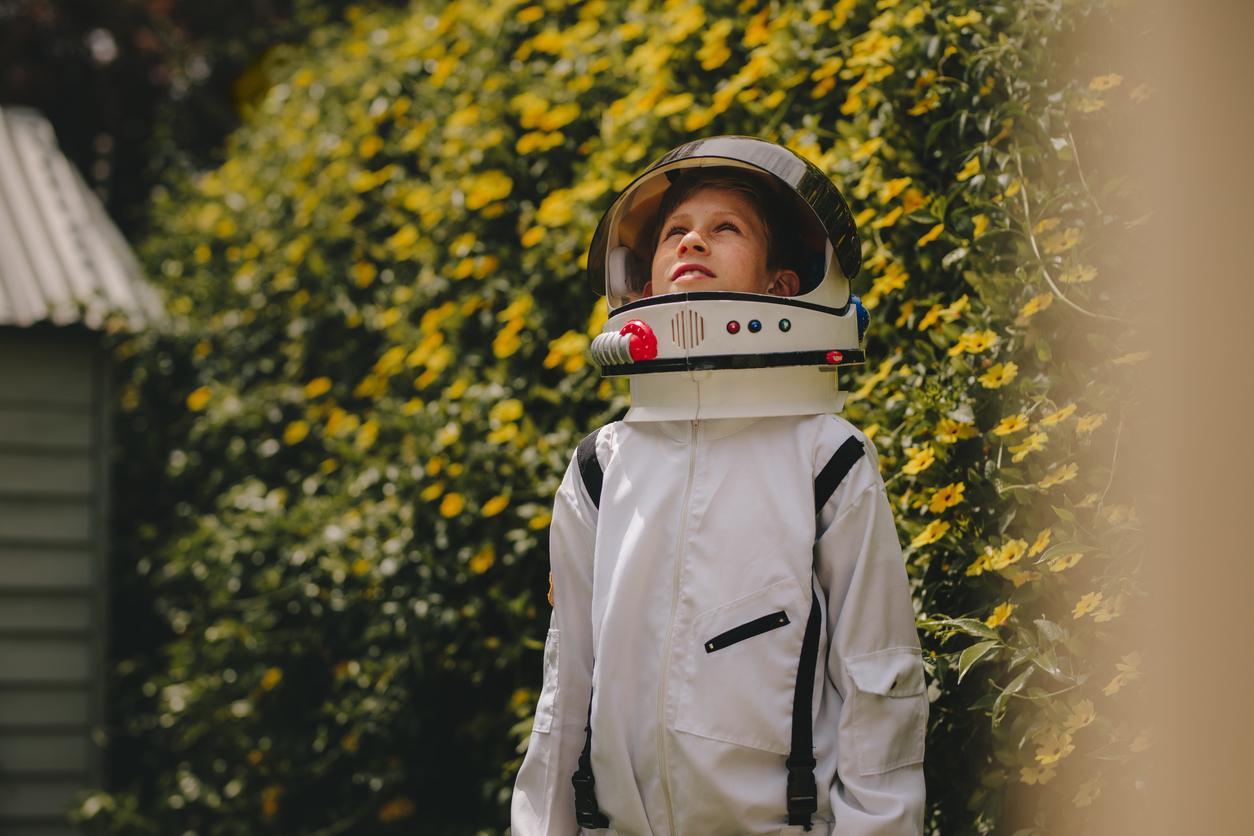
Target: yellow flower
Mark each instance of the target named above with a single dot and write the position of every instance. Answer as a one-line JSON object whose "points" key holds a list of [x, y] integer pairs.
{"points": [[921, 458], [1064, 561], [1082, 714], [1035, 775], [1031, 444], [483, 560], [295, 432], [1089, 423], [1019, 577], [969, 170], [949, 431], [887, 219], [1087, 104], [1011, 552], [867, 148], [271, 678], [1053, 745], [930, 236], [947, 497], [533, 236], [1078, 275], [967, 19], [567, 350], [1058, 415], [433, 490], [198, 399], [1059, 475], [506, 410], [452, 505], [1087, 793], [359, 567], [1060, 242], [1141, 94], [317, 386], [931, 317], [973, 342], [932, 532], [494, 506], [1000, 614], [1041, 541], [486, 188], [673, 104], [1034, 306], [556, 209], [893, 187], [954, 310], [998, 375], [540, 520], [503, 434], [1010, 424], [1105, 82], [529, 14], [980, 565], [1086, 604], [979, 223]]}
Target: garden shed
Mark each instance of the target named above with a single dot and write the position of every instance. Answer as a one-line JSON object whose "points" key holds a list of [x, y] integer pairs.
{"points": [[66, 273]]}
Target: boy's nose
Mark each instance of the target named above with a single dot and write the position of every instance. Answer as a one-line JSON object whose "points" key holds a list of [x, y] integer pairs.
{"points": [[692, 241]]}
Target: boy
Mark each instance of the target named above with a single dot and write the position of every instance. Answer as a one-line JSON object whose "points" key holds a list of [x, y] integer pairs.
{"points": [[732, 647]]}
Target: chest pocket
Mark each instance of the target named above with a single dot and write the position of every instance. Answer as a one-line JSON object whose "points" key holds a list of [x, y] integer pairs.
{"points": [[737, 669]]}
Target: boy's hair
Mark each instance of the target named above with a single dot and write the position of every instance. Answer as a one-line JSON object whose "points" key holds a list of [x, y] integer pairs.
{"points": [[783, 244]]}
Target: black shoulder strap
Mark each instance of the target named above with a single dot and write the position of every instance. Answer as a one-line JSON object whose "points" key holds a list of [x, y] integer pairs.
{"points": [[803, 801], [587, 813], [589, 466], [829, 478]]}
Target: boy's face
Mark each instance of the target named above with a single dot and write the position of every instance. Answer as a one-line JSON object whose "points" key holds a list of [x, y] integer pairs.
{"points": [[715, 240]]}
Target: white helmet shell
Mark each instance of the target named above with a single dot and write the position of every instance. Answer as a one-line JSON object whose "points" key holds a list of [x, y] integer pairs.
{"points": [[723, 353]]}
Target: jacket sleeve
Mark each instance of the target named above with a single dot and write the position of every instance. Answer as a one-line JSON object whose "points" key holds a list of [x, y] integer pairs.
{"points": [[873, 661], [543, 801]]}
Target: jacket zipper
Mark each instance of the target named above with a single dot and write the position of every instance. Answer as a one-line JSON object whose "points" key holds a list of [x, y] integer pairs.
{"points": [[670, 631]]}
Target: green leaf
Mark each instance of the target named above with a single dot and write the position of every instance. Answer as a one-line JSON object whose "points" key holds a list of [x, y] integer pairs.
{"points": [[1015, 686], [973, 654]]}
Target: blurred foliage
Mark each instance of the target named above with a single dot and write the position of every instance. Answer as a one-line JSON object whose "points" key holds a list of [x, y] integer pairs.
{"points": [[133, 87], [340, 455]]}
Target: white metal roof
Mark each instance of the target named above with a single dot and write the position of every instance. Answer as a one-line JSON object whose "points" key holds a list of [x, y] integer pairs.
{"points": [[61, 257]]}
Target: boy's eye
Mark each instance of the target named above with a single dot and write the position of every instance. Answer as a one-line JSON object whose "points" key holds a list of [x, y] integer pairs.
{"points": [[675, 230], [727, 225]]}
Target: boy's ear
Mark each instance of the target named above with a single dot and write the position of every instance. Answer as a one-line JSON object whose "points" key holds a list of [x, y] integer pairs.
{"points": [[785, 283], [648, 289]]}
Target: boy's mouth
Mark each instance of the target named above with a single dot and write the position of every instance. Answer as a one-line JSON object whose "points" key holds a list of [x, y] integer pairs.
{"points": [[690, 270]]}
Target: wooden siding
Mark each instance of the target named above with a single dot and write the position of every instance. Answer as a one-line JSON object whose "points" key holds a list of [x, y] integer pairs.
{"points": [[53, 476]]}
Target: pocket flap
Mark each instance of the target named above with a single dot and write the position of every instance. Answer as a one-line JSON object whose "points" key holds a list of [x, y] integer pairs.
{"points": [[896, 672]]}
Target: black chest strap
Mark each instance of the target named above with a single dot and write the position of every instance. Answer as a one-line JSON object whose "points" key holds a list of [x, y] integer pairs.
{"points": [[803, 800]]}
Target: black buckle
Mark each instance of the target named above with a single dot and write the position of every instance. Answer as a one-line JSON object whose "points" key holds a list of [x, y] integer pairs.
{"points": [[803, 792], [587, 814]]}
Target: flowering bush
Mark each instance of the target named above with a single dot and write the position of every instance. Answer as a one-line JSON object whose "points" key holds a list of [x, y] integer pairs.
{"points": [[374, 377]]}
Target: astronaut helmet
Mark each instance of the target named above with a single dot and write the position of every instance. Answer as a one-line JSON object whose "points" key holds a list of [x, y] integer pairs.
{"points": [[817, 228]]}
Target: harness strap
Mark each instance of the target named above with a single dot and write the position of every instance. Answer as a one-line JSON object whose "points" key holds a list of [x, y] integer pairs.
{"points": [[587, 813], [829, 478], [803, 801], [590, 466]]}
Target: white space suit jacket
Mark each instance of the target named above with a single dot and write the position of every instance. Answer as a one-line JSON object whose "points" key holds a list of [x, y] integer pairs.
{"points": [[704, 526]]}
